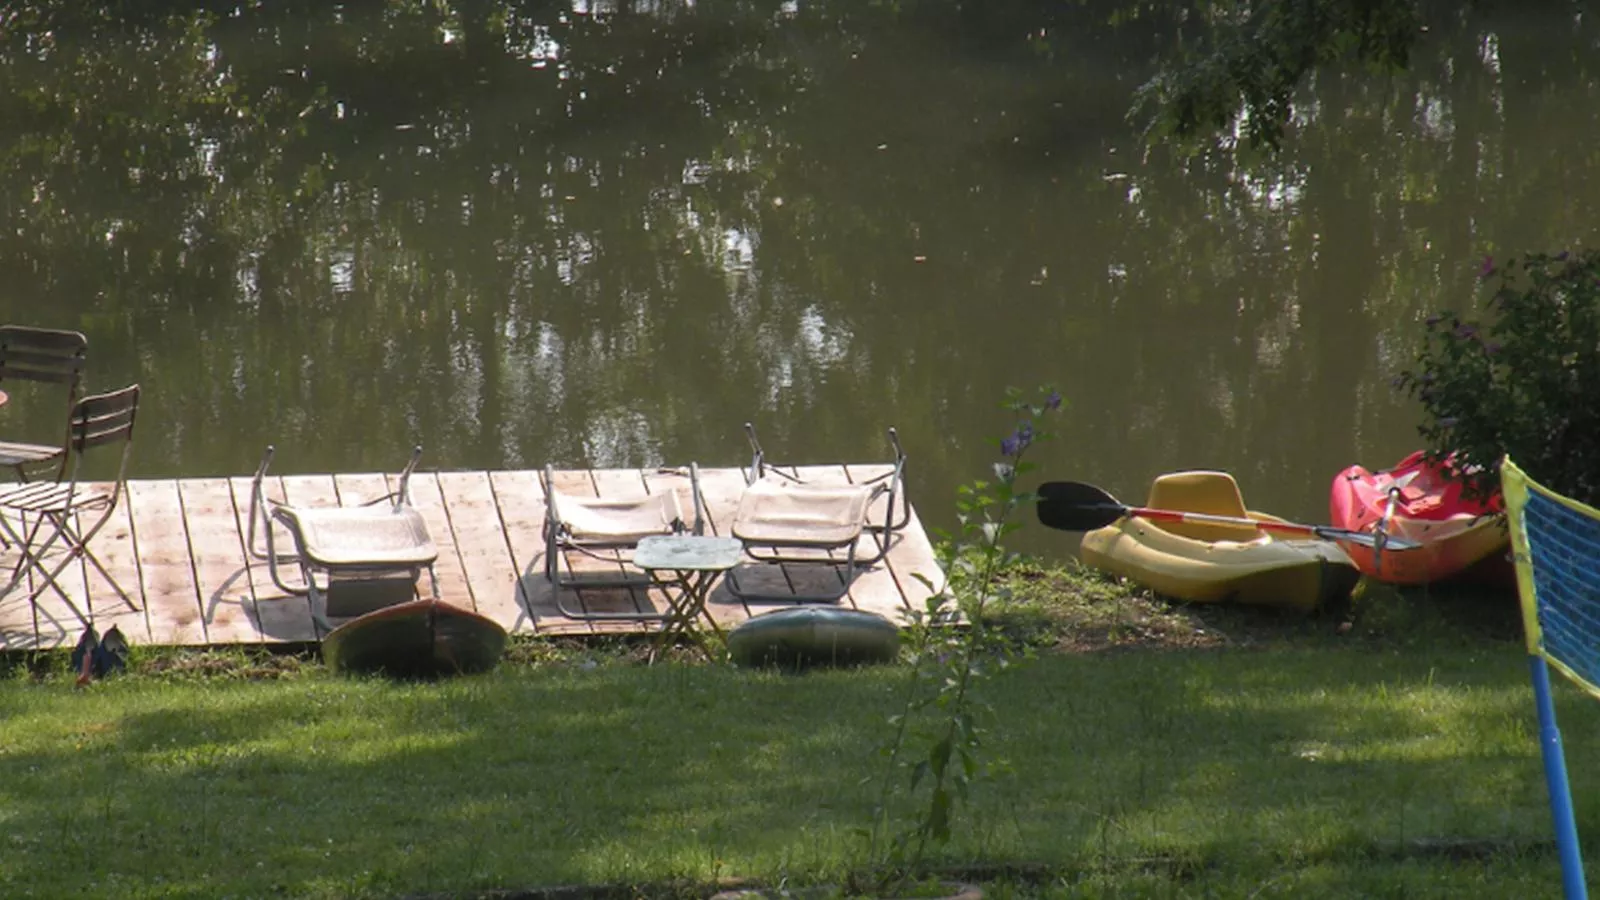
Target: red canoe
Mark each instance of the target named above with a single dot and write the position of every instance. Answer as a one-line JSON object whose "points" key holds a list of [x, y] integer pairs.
{"points": [[1456, 533]]}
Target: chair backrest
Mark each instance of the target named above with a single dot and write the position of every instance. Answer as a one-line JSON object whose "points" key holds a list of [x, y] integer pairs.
{"points": [[43, 354], [102, 420], [402, 494]]}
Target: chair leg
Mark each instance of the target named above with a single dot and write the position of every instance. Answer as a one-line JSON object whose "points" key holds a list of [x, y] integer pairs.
{"points": [[319, 605], [33, 560], [82, 539]]}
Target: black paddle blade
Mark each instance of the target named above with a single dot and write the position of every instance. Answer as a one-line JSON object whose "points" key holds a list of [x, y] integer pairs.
{"points": [[1075, 506]]}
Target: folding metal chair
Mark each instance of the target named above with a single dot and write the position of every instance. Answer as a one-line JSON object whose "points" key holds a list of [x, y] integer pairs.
{"points": [[41, 355], [782, 519], [352, 559], [609, 529], [55, 508]]}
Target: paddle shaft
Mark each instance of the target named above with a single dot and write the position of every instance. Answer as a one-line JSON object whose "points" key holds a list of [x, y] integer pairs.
{"points": [[1075, 506], [1175, 515]]}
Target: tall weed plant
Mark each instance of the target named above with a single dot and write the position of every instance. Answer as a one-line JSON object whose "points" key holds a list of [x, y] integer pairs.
{"points": [[933, 755]]}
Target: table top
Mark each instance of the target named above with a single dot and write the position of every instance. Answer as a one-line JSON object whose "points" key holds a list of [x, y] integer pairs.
{"points": [[688, 552], [4, 397]]}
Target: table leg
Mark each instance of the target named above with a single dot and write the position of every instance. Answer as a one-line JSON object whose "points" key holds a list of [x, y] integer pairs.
{"points": [[670, 625], [687, 606]]}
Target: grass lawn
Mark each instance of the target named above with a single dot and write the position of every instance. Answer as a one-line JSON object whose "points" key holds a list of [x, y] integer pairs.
{"points": [[1143, 752]]}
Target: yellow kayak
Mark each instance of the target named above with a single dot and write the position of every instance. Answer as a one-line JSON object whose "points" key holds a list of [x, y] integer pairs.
{"points": [[1212, 563]]}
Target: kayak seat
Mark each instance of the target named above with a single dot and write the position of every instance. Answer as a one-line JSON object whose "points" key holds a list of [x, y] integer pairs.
{"points": [[1212, 493]]}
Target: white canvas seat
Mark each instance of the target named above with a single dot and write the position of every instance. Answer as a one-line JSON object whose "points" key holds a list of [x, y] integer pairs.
{"points": [[774, 513], [364, 536], [609, 529], [784, 520], [382, 546], [620, 521]]}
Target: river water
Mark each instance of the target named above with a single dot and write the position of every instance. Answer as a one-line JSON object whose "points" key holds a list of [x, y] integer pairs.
{"points": [[603, 236]]}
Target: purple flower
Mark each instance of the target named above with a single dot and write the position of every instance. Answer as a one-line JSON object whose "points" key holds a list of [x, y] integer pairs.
{"points": [[1562, 256], [1464, 331], [1490, 348], [1053, 401], [1487, 268], [1014, 443], [1433, 320]]}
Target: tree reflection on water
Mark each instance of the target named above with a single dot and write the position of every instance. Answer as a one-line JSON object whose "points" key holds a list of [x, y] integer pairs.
{"points": [[609, 233]]}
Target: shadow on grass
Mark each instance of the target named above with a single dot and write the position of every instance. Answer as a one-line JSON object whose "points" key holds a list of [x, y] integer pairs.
{"points": [[1410, 730], [336, 787]]}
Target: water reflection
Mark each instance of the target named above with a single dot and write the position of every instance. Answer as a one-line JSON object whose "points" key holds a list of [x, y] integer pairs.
{"points": [[609, 233]]}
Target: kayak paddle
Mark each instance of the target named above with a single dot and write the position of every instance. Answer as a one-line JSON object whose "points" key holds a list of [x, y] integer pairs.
{"points": [[1075, 506]]}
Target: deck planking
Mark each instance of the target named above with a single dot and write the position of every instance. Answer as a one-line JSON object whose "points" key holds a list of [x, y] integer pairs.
{"points": [[179, 547]]}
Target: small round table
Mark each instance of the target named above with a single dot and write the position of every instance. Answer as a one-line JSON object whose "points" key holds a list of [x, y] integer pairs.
{"points": [[695, 561]]}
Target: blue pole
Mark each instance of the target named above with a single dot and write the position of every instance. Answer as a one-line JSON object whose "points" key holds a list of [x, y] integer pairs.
{"points": [[1555, 777]]}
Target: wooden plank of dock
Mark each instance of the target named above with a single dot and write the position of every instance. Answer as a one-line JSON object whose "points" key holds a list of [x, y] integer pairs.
{"points": [[480, 539], [519, 497], [227, 605], [179, 547], [166, 563], [121, 562]]}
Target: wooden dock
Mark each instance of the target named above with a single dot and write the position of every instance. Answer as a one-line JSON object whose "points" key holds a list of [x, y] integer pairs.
{"points": [[177, 546]]}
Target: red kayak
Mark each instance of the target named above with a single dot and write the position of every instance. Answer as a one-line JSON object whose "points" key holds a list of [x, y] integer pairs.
{"points": [[1456, 533]]}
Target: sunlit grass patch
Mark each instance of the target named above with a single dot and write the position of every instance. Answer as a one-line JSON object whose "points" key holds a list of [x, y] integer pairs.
{"points": [[1282, 758], [1239, 763]]}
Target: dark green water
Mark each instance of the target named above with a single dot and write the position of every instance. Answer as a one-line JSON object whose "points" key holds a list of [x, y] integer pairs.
{"points": [[520, 232]]}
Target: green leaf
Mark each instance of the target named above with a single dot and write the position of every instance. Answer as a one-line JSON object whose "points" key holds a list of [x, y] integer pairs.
{"points": [[918, 773], [939, 757], [939, 816]]}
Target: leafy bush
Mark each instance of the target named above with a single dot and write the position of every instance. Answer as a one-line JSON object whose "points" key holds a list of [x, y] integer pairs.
{"points": [[1523, 380]]}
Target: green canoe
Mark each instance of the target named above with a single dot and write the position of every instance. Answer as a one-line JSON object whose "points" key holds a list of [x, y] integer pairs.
{"points": [[814, 636]]}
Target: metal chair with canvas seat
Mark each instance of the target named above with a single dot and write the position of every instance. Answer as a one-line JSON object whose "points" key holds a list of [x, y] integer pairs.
{"points": [[48, 356], [56, 510], [783, 519], [352, 559], [609, 530]]}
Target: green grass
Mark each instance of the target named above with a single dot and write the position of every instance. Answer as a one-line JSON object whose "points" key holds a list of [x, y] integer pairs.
{"points": [[1278, 758]]}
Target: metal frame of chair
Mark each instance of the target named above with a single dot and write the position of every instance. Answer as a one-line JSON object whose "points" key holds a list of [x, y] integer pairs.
{"points": [[42, 355], [101, 420], [377, 541], [780, 513], [609, 529]]}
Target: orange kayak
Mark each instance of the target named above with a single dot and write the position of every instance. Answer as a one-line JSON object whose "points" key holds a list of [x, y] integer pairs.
{"points": [[1457, 534]]}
